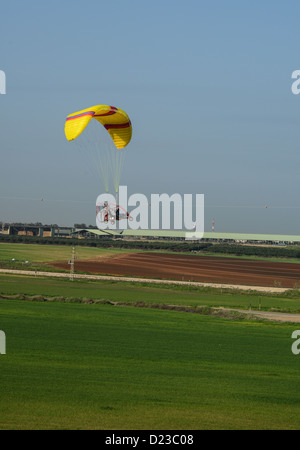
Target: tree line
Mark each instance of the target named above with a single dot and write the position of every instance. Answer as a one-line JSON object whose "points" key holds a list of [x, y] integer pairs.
{"points": [[190, 246]]}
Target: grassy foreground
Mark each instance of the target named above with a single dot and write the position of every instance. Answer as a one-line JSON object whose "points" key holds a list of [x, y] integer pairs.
{"points": [[72, 365], [78, 366]]}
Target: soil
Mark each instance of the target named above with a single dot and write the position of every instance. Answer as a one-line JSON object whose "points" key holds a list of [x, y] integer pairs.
{"points": [[206, 269]]}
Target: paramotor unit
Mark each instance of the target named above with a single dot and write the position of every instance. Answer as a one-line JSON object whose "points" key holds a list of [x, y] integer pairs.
{"points": [[110, 212]]}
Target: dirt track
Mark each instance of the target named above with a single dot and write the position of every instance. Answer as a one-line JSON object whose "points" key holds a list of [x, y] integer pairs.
{"points": [[205, 269]]}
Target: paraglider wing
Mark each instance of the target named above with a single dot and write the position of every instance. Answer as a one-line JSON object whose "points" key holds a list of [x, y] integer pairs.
{"points": [[76, 123], [107, 154], [115, 120]]}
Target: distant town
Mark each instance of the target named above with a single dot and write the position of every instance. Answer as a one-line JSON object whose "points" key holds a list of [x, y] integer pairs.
{"points": [[82, 231]]}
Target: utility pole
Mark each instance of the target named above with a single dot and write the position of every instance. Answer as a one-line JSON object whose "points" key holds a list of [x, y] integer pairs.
{"points": [[72, 262]]}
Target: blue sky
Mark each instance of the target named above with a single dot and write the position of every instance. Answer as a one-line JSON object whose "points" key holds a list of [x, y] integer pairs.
{"points": [[207, 85]]}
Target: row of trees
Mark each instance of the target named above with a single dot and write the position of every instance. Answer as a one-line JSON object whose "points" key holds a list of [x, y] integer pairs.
{"points": [[191, 246], [30, 224], [254, 250], [40, 224], [83, 225]]}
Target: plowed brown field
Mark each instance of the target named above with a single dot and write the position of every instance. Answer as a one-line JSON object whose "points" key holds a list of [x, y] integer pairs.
{"points": [[206, 269]]}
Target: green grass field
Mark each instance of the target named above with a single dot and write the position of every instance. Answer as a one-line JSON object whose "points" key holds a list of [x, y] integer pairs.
{"points": [[35, 256], [72, 365], [77, 366], [149, 294]]}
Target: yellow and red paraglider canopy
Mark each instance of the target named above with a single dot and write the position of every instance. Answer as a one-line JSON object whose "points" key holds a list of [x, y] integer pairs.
{"points": [[115, 120]]}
